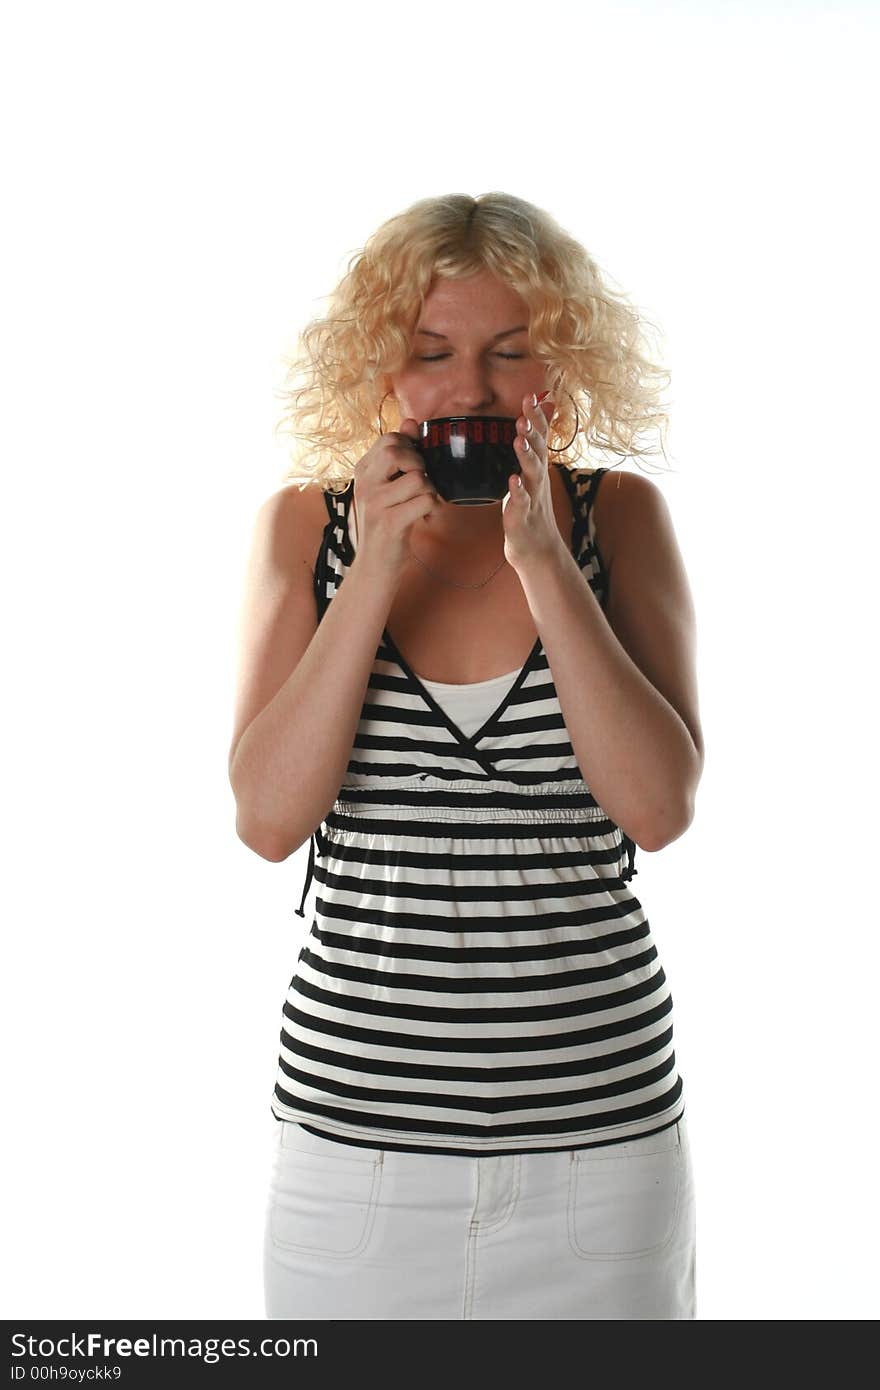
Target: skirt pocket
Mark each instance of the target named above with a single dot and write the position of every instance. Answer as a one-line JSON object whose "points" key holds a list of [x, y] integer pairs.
{"points": [[323, 1195], [624, 1199]]}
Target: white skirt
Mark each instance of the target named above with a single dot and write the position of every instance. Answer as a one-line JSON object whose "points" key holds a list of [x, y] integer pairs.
{"points": [[607, 1232]]}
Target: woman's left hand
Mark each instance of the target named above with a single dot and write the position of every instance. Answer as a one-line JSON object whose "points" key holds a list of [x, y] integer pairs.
{"points": [[530, 527]]}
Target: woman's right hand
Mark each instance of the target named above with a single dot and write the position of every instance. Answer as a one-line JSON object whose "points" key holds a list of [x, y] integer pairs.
{"points": [[391, 492]]}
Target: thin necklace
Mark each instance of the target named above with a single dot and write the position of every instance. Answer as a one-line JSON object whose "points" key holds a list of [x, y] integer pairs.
{"points": [[452, 581]]}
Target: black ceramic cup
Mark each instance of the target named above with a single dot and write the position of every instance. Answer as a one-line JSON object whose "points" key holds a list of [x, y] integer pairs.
{"points": [[469, 458]]}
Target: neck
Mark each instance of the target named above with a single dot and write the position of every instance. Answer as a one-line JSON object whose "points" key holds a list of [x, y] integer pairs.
{"points": [[462, 528], [456, 527]]}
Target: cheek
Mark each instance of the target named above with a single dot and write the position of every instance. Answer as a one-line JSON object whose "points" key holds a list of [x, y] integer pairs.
{"points": [[415, 396], [408, 387]]}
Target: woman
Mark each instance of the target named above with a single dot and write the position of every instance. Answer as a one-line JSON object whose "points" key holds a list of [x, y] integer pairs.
{"points": [[477, 714]]}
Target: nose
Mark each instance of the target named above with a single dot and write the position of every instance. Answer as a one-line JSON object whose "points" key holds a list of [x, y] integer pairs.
{"points": [[472, 394]]}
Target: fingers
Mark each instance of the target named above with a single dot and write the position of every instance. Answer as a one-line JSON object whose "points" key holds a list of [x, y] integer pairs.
{"points": [[409, 428], [537, 417], [533, 429], [401, 452]]}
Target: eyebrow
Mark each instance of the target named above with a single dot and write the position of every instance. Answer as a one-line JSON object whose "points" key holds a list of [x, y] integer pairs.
{"points": [[505, 332]]}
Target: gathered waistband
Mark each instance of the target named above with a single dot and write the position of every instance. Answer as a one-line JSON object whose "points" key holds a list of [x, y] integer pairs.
{"points": [[428, 797], [423, 809], [403, 807]]}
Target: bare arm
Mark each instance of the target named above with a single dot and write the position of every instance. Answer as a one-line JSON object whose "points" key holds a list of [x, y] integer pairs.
{"points": [[627, 679], [302, 684]]}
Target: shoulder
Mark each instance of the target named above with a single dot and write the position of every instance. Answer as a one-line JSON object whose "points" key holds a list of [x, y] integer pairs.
{"points": [[290, 523], [650, 605], [294, 499], [626, 508]]}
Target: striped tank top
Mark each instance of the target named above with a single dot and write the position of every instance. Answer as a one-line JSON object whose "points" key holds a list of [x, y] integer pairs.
{"points": [[478, 977]]}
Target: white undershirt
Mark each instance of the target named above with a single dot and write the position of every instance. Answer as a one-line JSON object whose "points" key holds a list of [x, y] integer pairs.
{"points": [[470, 705]]}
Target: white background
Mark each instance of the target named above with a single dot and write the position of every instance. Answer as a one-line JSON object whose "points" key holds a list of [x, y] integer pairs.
{"points": [[184, 183]]}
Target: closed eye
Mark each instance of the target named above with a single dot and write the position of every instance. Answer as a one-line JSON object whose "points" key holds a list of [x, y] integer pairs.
{"points": [[511, 356]]}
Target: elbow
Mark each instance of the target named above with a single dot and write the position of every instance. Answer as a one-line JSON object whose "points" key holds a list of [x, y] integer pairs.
{"points": [[674, 817], [271, 851], [670, 825], [266, 843]]}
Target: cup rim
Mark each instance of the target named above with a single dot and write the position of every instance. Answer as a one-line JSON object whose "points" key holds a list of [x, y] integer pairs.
{"points": [[437, 419]]}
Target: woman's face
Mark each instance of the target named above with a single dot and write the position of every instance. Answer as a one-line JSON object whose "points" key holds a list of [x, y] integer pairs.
{"points": [[476, 365]]}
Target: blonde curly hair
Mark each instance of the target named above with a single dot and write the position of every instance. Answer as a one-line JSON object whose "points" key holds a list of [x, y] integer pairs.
{"points": [[590, 339]]}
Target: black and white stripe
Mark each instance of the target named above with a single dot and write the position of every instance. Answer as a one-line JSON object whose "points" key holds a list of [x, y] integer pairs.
{"points": [[479, 978]]}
